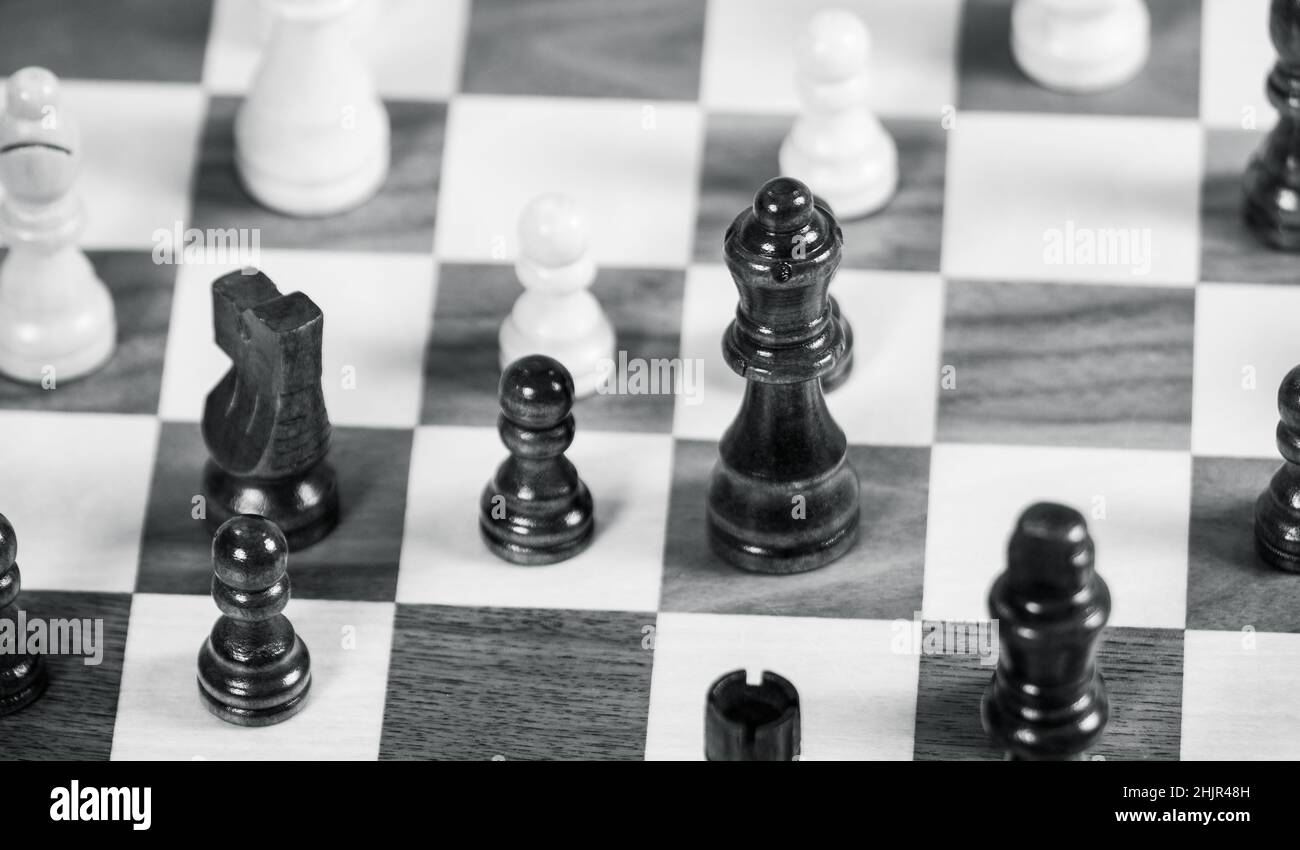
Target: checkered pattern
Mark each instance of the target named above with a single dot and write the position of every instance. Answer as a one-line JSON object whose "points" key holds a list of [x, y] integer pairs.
{"points": [[1146, 400]]}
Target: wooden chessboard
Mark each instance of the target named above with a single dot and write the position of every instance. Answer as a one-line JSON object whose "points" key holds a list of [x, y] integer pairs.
{"points": [[986, 377]]}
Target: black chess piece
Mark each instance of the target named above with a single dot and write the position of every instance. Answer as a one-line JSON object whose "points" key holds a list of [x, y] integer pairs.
{"points": [[783, 497], [834, 379], [22, 676], [1272, 180], [1047, 700], [536, 510], [265, 422], [254, 670], [744, 722], [1277, 510]]}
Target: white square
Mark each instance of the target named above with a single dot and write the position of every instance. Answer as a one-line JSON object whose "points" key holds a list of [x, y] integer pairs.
{"points": [[445, 562], [632, 166], [1136, 504], [1239, 696], [377, 308], [1026, 195], [413, 47], [76, 487], [160, 715], [139, 144], [857, 697], [749, 62], [1236, 58], [889, 397], [1244, 345]]}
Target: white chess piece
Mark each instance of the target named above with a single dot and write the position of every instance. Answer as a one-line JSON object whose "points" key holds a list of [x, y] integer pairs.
{"points": [[837, 146], [1080, 45], [57, 320], [557, 315], [312, 138]]}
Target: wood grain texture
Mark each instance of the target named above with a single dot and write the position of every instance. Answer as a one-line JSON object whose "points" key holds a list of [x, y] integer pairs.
{"points": [[156, 40], [399, 218], [74, 718], [1228, 585], [358, 561], [1169, 85], [740, 153], [131, 381], [1047, 364], [880, 578], [585, 48], [1230, 253], [461, 367], [1143, 669], [488, 683]]}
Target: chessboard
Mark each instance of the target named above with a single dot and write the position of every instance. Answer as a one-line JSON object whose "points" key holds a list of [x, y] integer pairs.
{"points": [[989, 373]]}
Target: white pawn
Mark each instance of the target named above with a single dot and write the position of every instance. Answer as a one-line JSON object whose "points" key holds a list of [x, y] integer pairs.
{"points": [[557, 315], [837, 145], [312, 138], [1080, 45], [57, 320]]}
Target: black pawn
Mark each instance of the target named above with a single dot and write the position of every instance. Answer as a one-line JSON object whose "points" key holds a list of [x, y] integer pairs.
{"points": [[254, 670], [782, 497], [536, 510], [22, 677], [1047, 700], [744, 722], [1277, 510], [1272, 180]]}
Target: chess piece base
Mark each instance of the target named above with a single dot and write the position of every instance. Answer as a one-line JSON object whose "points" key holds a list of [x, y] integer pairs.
{"points": [[1079, 54], [76, 343], [1271, 207], [852, 189], [249, 696], [22, 685], [1277, 529], [305, 507], [292, 189], [1029, 734], [588, 357], [517, 537]]}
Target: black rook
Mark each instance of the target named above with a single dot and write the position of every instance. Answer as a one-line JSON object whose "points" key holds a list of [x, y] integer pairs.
{"points": [[783, 498]]}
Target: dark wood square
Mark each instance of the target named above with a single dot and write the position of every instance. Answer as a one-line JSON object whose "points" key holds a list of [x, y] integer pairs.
{"points": [[399, 218], [357, 561], [1068, 365], [494, 684]]}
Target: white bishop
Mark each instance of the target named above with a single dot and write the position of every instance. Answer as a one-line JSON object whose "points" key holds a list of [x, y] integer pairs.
{"points": [[56, 316]]}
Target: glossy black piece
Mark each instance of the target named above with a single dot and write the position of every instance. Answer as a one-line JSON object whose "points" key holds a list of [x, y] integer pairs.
{"points": [[782, 497], [1272, 179], [536, 510], [834, 379], [22, 676], [265, 422], [1047, 700], [254, 670], [1277, 510], [744, 722]]}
